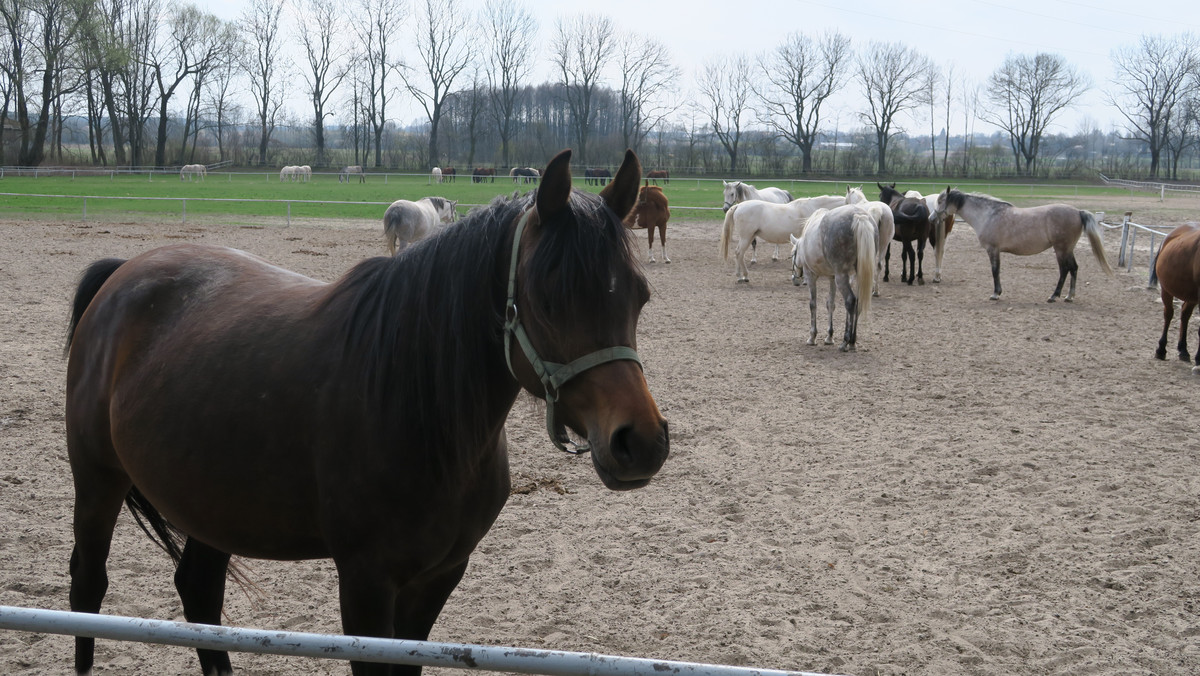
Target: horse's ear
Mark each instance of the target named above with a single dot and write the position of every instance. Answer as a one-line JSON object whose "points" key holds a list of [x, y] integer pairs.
{"points": [[621, 194], [555, 190], [878, 185]]}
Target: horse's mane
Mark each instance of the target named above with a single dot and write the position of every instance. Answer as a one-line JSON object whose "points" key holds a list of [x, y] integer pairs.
{"points": [[438, 203], [742, 191], [422, 332], [985, 196]]}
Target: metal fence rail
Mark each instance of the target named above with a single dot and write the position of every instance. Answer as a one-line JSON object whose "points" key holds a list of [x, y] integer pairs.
{"points": [[363, 649], [1129, 231]]}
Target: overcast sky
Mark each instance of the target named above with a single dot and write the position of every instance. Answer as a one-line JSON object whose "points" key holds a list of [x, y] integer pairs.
{"points": [[974, 36]]}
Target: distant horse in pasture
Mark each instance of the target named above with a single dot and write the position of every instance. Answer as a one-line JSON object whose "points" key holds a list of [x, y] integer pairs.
{"points": [[482, 174], [650, 212], [304, 173], [189, 170], [524, 174], [238, 408], [839, 244], [407, 222], [435, 175], [352, 170], [288, 173], [657, 175], [912, 225], [596, 176], [1004, 228], [1177, 267], [449, 174]]}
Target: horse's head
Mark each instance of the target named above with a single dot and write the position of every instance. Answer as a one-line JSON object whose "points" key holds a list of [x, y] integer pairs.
{"points": [[731, 194], [578, 293], [949, 201], [888, 194], [855, 195]]}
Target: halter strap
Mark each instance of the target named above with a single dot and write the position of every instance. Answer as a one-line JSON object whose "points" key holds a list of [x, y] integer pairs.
{"points": [[552, 375]]}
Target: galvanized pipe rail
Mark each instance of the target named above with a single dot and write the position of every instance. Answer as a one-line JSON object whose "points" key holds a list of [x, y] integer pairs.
{"points": [[358, 648]]}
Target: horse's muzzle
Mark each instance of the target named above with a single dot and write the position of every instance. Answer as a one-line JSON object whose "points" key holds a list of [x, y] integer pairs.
{"points": [[631, 455]]}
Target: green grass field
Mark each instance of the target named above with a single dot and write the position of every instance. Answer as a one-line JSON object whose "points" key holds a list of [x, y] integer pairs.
{"points": [[237, 195]]}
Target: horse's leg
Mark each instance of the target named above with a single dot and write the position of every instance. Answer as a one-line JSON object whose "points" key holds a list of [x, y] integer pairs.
{"points": [[200, 580], [1064, 266], [99, 494], [1073, 268], [775, 253], [812, 307], [887, 261], [418, 609], [1184, 316], [739, 254], [850, 335], [650, 235], [908, 262], [368, 602], [1168, 302], [994, 257], [753, 250], [829, 305], [921, 261], [662, 236]]}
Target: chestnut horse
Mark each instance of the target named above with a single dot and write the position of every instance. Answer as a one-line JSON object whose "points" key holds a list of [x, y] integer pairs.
{"points": [[650, 212], [1177, 267], [239, 408]]}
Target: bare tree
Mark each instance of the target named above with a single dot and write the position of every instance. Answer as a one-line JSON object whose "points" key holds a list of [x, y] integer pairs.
{"points": [[1184, 133], [893, 79], [510, 29], [320, 22], [933, 79], [376, 25], [219, 42], [949, 80], [194, 42], [264, 64], [1026, 93], [1151, 81], [443, 45], [725, 86], [220, 89], [802, 74], [647, 77], [582, 46]]}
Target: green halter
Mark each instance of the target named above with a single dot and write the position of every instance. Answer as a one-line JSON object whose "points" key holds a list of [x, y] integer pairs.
{"points": [[552, 375]]}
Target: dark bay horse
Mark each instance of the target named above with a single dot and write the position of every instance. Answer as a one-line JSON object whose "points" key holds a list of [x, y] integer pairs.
{"points": [[656, 175], [448, 174], [912, 225], [596, 176], [1177, 267], [651, 212], [239, 408], [483, 174]]}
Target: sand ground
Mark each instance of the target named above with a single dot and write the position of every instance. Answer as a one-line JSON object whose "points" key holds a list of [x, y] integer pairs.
{"points": [[985, 487]]}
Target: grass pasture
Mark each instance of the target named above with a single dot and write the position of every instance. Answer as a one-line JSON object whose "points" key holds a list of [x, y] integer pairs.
{"points": [[243, 197]]}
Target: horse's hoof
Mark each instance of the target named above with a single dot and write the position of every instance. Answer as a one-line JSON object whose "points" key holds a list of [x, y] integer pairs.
{"points": [[743, 281], [1068, 299], [874, 294], [844, 348], [1160, 354], [994, 296], [920, 281], [795, 280], [1184, 356], [666, 260], [1196, 370], [937, 280], [1051, 299], [811, 341], [829, 341]]}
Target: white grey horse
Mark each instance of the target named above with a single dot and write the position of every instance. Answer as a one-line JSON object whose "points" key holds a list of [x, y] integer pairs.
{"points": [[838, 244], [407, 222], [1004, 228], [737, 192]]}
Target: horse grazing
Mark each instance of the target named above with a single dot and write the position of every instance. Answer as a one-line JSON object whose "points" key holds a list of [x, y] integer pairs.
{"points": [[304, 173], [449, 173], [772, 222], [352, 170], [656, 175], [939, 229], [481, 174], [524, 174], [737, 192], [435, 175], [650, 212], [1004, 228], [239, 408], [288, 173], [912, 225], [838, 243], [189, 170], [1177, 267], [410, 222], [596, 176]]}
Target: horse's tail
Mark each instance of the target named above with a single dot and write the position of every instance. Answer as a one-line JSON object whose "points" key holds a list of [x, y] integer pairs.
{"points": [[89, 285], [1092, 228], [864, 239], [726, 229]]}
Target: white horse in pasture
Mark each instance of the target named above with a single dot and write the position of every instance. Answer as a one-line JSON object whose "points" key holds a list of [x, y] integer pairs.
{"points": [[304, 173], [772, 222], [409, 222], [435, 175], [190, 170], [287, 173], [352, 170], [839, 244], [737, 192]]}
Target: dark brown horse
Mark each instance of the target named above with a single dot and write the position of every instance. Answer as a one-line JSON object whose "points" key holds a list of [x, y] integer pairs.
{"points": [[449, 174], [596, 176], [650, 212], [482, 174], [238, 408], [657, 175], [1177, 267], [912, 225]]}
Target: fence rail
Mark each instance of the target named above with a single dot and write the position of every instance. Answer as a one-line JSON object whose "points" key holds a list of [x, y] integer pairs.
{"points": [[358, 648], [1129, 231], [1151, 186]]}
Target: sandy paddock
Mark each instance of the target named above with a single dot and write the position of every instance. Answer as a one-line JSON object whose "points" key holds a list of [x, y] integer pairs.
{"points": [[983, 488]]}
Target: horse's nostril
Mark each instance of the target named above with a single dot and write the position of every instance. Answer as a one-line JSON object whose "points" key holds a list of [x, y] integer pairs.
{"points": [[619, 445]]}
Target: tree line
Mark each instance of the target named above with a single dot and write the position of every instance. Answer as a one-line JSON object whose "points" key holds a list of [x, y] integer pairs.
{"points": [[162, 82]]}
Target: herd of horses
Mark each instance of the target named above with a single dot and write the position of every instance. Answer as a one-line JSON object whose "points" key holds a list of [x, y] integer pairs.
{"points": [[386, 392]]}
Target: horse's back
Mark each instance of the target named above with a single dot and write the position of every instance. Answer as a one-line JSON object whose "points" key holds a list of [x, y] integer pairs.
{"points": [[1177, 264]]}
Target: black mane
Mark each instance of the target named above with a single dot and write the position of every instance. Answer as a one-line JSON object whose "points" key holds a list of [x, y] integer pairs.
{"points": [[426, 328]]}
